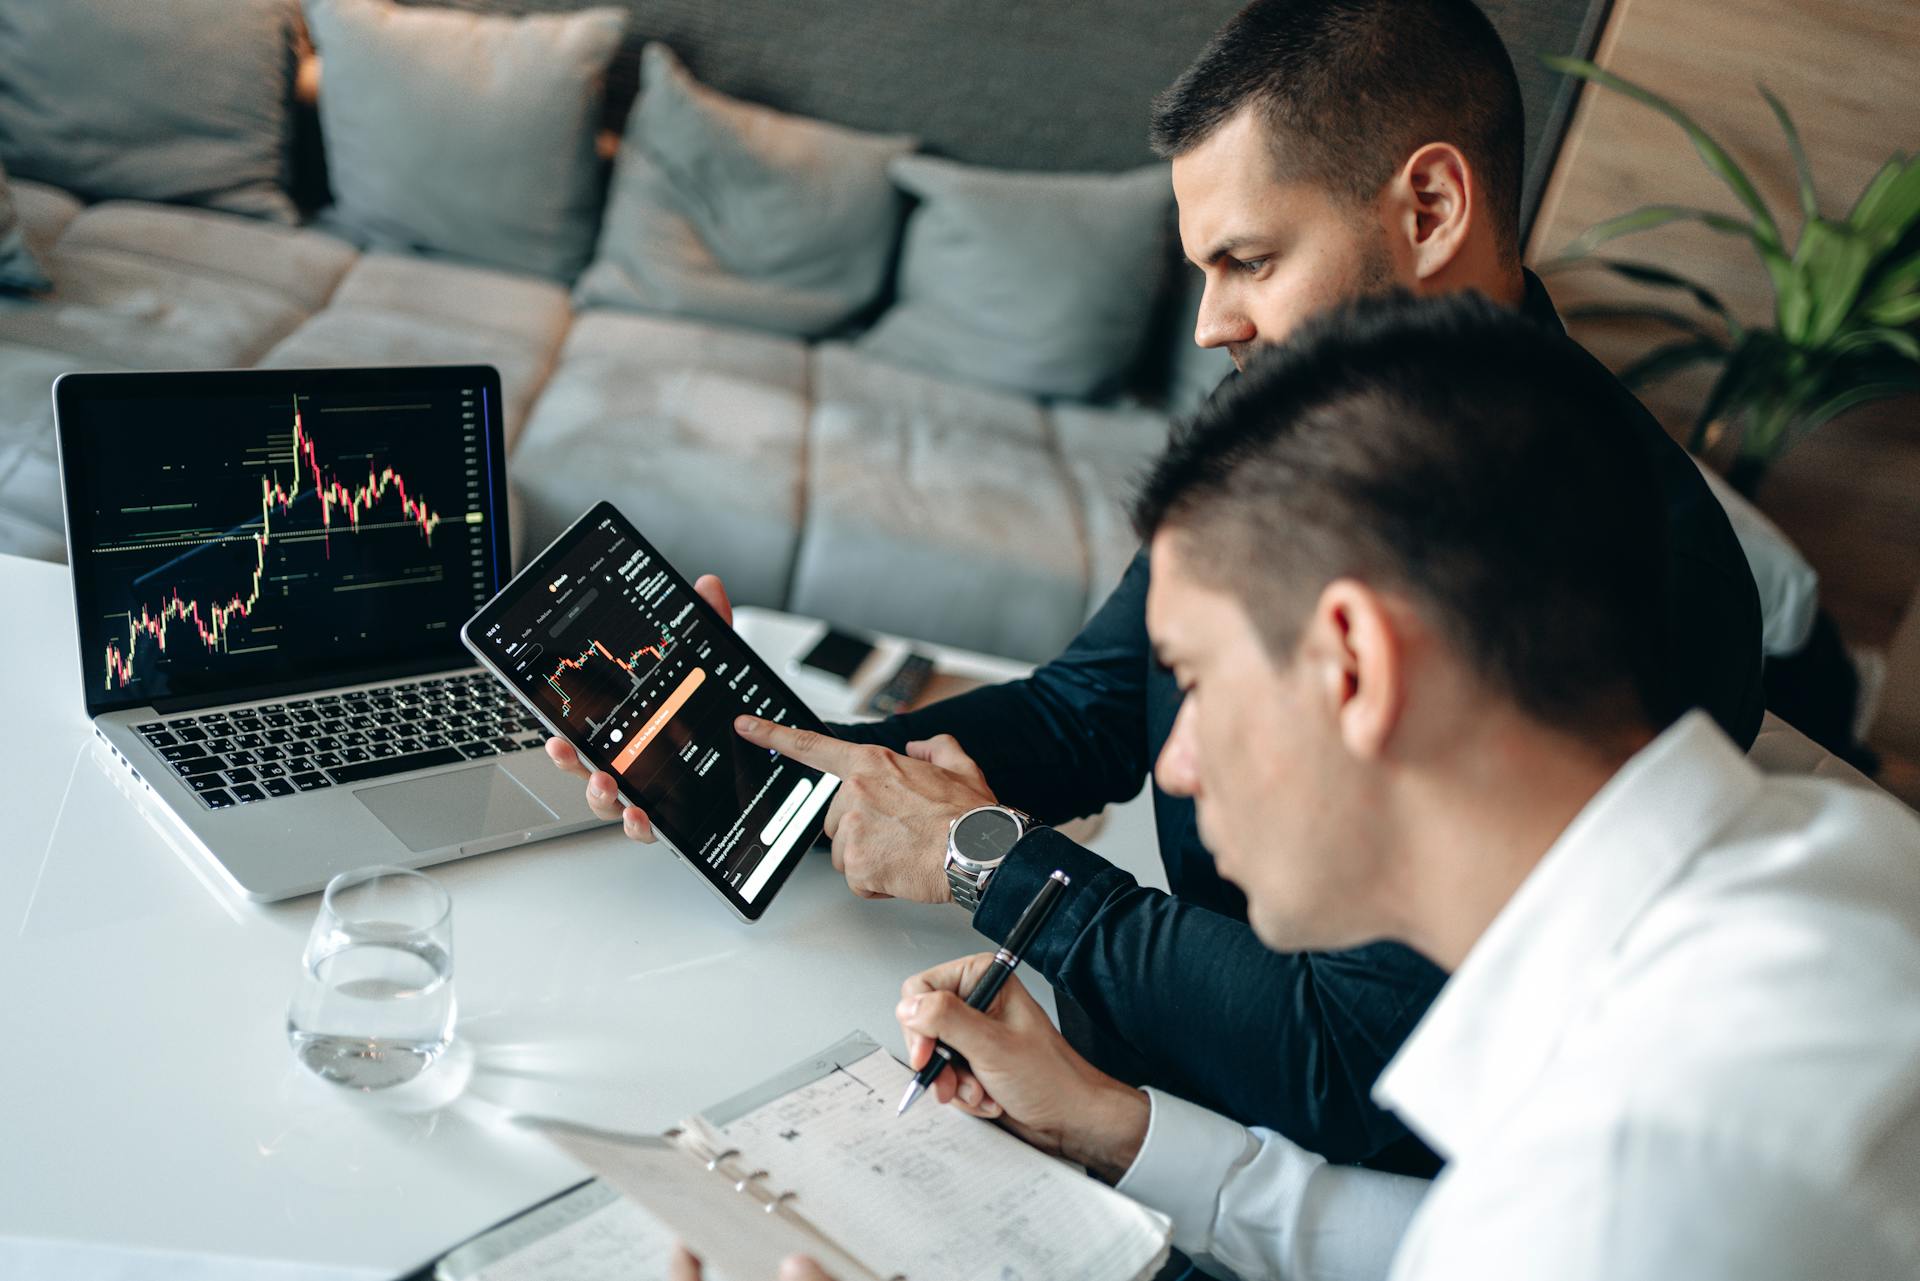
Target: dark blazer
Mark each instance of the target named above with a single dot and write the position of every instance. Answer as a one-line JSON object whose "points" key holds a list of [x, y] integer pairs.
{"points": [[1178, 991]]}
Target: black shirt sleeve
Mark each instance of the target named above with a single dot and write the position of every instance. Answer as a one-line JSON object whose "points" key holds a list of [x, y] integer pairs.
{"points": [[1066, 741]]}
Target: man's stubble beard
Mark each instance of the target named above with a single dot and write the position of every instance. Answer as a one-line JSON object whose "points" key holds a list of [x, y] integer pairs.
{"points": [[1377, 274]]}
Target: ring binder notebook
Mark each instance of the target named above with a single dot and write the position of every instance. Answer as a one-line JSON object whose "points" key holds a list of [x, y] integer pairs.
{"points": [[693, 1183], [813, 1161]]}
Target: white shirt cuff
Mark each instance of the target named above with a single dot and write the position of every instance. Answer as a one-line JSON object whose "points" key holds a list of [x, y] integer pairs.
{"points": [[1186, 1159]]}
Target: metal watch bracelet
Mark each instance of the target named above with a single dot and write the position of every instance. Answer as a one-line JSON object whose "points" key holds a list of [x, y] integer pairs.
{"points": [[967, 887]]}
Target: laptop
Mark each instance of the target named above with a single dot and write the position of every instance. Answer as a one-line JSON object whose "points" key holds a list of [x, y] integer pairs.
{"points": [[271, 568]]}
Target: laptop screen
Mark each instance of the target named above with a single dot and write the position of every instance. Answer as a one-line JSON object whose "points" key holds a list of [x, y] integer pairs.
{"points": [[249, 533]]}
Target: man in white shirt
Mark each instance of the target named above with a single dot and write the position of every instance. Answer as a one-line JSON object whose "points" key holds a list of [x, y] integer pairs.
{"points": [[1401, 581]]}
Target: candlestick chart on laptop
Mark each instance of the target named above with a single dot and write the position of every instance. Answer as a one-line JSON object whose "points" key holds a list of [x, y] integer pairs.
{"points": [[239, 540]]}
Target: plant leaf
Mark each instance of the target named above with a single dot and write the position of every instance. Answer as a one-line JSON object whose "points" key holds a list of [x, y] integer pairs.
{"points": [[1809, 202], [1881, 336], [1646, 218], [1638, 311], [1896, 312], [1671, 358], [1722, 164], [1871, 194], [1891, 202], [1853, 398], [1779, 269], [1793, 307], [1894, 282], [1829, 267], [1645, 273]]}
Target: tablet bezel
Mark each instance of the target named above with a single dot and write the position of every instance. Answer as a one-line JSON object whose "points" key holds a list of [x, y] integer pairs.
{"points": [[532, 578]]}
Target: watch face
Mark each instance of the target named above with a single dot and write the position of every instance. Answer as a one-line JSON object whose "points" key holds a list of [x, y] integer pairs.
{"points": [[986, 836]]}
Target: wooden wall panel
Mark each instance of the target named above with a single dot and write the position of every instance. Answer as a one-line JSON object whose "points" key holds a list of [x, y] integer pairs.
{"points": [[1849, 70]]}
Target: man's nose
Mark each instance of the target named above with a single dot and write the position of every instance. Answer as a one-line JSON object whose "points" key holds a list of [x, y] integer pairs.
{"points": [[1220, 324], [1173, 771]]}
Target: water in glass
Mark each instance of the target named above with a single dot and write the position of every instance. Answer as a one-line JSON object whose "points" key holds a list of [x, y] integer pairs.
{"points": [[375, 1004]]}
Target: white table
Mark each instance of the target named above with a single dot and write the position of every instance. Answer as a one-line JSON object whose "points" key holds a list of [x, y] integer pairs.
{"points": [[152, 1121]]}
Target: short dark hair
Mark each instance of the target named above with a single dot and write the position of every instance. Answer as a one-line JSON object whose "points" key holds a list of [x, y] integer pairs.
{"points": [[1452, 450], [1348, 89]]}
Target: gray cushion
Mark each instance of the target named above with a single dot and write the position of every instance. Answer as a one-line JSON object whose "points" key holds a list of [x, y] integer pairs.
{"points": [[937, 510], [1107, 453], [31, 523], [696, 432], [1043, 283], [723, 210], [393, 310], [465, 134], [187, 101], [297, 263], [150, 286], [19, 270], [44, 212]]}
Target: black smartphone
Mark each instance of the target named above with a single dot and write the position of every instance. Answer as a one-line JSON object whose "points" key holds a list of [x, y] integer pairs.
{"points": [[838, 654], [612, 649]]}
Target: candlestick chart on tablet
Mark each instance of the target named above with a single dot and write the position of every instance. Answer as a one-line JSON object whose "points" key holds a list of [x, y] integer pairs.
{"points": [[612, 646]]}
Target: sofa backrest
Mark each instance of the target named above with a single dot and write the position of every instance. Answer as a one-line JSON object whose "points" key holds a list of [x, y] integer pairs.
{"points": [[1022, 84]]}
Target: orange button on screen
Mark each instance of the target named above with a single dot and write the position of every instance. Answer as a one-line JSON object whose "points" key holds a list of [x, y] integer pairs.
{"points": [[658, 721]]}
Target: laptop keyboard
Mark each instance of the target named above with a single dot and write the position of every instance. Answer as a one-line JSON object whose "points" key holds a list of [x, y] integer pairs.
{"points": [[305, 744]]}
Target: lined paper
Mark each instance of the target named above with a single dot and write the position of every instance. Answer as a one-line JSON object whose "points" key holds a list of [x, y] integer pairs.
{"points": [[593, 1234], [938, 1195], [728, 1229]]}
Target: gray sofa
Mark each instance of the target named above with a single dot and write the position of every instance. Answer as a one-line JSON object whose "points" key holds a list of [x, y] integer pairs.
{"points": [[814, 477]]}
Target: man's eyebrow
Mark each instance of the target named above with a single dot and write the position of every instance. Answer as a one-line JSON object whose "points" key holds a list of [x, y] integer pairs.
{"points": [[1225, 248]]}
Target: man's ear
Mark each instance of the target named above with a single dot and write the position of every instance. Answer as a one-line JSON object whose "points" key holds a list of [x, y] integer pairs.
{"points": [[1358, 665], [1433, 203]]}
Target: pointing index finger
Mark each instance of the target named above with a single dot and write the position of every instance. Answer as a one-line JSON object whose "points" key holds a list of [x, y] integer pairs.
{"points": [[817, 750]]}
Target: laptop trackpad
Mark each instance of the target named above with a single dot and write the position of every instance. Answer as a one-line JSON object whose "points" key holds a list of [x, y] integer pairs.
{"points": [[453, 809]]}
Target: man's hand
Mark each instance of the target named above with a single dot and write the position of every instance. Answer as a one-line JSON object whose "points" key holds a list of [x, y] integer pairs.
{"points": [[1021, 1070], [796, 1267], [888, 821], [603, 794]]}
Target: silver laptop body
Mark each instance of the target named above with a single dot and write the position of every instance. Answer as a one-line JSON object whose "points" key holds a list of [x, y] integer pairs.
{"points": [[270, 570]]}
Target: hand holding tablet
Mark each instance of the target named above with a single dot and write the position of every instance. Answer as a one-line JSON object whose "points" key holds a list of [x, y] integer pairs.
{"points": [[618, 655]]}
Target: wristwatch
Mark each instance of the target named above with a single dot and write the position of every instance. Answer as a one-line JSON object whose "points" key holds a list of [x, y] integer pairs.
{"points": [[977, 843]]}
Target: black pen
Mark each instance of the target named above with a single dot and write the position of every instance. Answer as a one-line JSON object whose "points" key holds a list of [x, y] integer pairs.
{"points": [[1005, 962]]}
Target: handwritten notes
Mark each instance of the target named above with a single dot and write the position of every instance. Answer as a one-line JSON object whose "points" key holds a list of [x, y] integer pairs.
{"points": [[937, 1195], [815, 1161], [705, 1207]]}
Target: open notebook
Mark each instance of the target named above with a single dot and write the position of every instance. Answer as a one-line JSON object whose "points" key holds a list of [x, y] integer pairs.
{"points": [[815, 1162]]}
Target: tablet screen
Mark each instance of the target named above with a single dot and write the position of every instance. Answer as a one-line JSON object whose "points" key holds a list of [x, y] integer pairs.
{"points": [[611, 646]]}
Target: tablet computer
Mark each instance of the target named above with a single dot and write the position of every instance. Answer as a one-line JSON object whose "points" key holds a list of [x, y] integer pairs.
{"points": [[612, 649]]}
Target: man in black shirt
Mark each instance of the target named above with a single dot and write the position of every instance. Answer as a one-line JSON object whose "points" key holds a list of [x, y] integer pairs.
{"points": [[1321, 150]]}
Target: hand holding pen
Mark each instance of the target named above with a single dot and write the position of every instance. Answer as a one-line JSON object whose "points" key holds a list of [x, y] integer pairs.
{"points": [[1019, 1070], [981, 998]]}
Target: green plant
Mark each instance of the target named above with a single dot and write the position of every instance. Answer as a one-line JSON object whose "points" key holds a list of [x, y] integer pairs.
{"points": [[1846, 315]]}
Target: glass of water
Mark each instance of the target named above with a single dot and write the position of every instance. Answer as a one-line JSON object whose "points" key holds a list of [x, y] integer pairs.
{"points": [[375, 1003]]}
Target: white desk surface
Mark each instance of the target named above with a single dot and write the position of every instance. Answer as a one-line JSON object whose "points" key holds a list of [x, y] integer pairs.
{"points": [[152, 1120]]}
